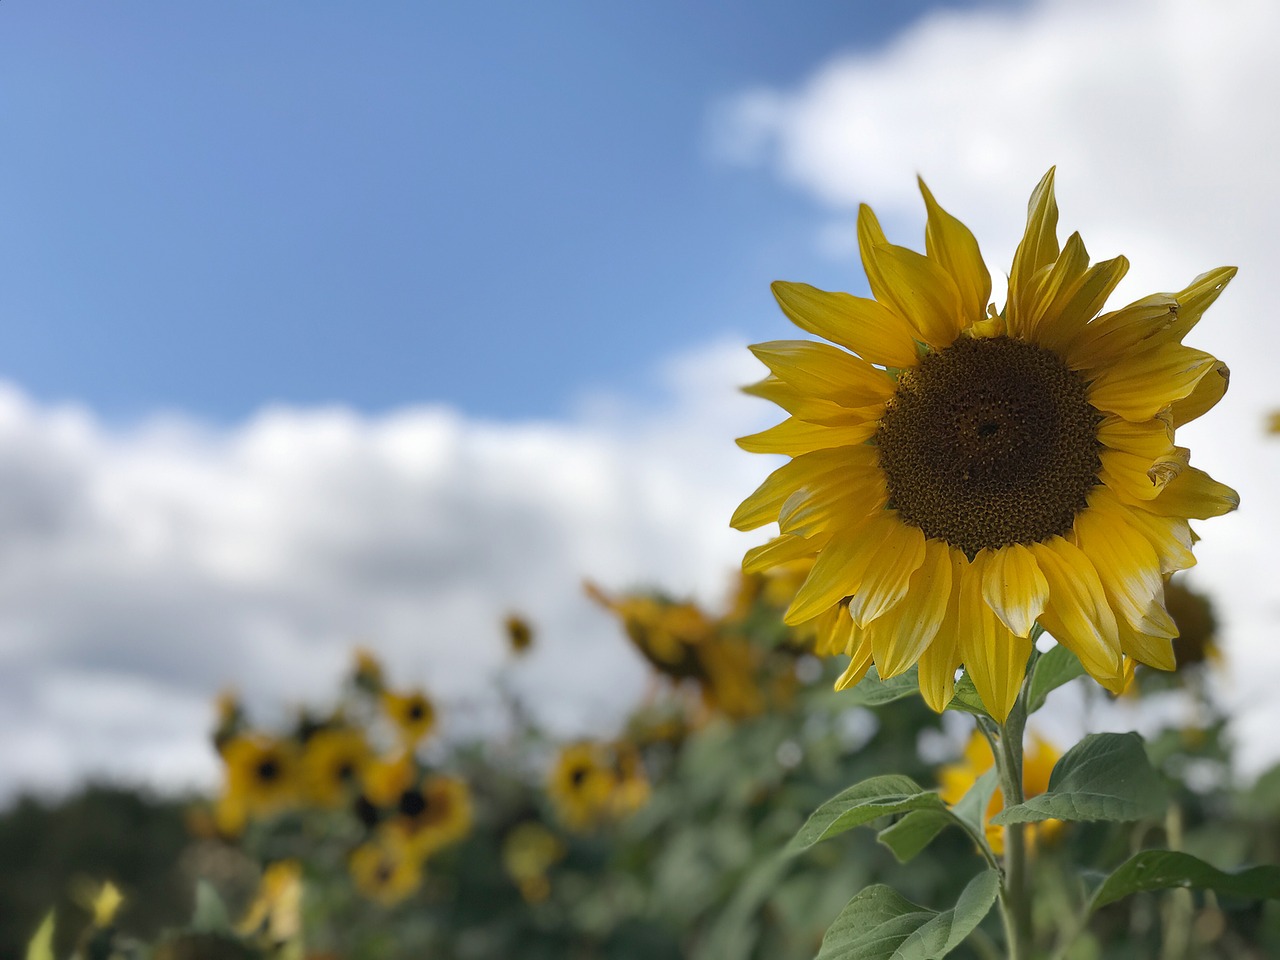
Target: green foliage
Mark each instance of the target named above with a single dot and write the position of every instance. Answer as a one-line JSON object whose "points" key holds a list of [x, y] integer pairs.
{"points": [[1051, 671], [862, 803], [1106, 776], [41, 945], [1163, 869]]}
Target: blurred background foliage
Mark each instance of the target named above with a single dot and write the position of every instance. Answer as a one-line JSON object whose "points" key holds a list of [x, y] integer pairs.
{"points": [[353, 833]]}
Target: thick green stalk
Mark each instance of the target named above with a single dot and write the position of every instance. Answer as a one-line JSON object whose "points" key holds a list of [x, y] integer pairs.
{"points": [[1015, 891]]}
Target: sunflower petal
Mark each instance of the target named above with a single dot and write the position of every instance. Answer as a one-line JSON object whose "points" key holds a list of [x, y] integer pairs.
{"points": [[867, 327], [807, 470], [1205, 395], [1048, 286], [1070, 311], [886, 579], [1014, 587], [859, 664], [1194, 495], [1139, 386], [909, 284], [941, 658], [900, 636], [1037, 249], [952, 245], [1170, 537], [794, 436], [1198, 295], [994, 658], [1153, 651], [840, 567], [1115, 334], [812, 409], [776, 552], [1078, 614], [821, 370]]}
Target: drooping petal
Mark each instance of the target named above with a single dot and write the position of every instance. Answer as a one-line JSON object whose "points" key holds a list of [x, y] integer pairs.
{"points": [[1195, 495], [941, 658], [1126, 563], [1078, 614], [1170, 537], [1140, 385], [994, 658], [811, 470], [1152, 650], [952, 245], [1120, 332], [1197, 296], [833, 631], [886, 578], [1138, 459], [868, 328], [840, 567], [824, 371], [859, 662], [1014, 587], [1206, 394], [901, 635]]}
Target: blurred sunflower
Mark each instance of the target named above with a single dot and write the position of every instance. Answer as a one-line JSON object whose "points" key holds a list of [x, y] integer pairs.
{"points": [[528, 852], [1037, 764], [276, 910], [385, 778], [333, 764], [261, 777], [581, 784], [385, 871], [1197, 626], [631, 785], [519, 634], [412, 714], [366, 673], [959, 474], [664, 632], [432, 815]]}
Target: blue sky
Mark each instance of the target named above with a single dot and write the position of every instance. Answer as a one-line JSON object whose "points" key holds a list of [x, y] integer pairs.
{"points": [[208, 207]]}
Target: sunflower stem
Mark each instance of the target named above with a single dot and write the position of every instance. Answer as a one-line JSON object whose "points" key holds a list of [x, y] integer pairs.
{"points": [[1015, 891]]}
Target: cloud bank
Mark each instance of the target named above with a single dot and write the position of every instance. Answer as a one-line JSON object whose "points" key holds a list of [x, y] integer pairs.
{"points": [[1161, 116], [145, 569]]}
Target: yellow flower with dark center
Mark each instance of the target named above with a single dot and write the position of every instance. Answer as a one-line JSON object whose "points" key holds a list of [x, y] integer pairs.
{"points": [[385, 871], [1197, 626], [581, 784], [432, 815], [333, 765], [631, 785], [261, 774], [959, 474], [664, 632], [519, 634], [1037, 764], [385, 778], [413, 715], [528, 852]]}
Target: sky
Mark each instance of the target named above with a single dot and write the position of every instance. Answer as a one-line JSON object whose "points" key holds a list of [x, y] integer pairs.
{"points": [[327, 324]]}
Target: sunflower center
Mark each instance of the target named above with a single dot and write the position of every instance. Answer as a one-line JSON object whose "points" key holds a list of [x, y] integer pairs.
{"points": [[989, 442]]}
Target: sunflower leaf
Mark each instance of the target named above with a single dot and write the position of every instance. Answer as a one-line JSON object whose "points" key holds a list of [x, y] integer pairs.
{"points": [[872, 691], [966, 697], [1106, 776], [909, 836], [1162, 869], [862, 803], [881, 924], [210, 914], [1051, 671]]}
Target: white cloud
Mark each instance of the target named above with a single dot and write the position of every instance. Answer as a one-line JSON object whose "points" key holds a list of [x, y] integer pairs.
{"points": [[142, 570], [1163, 119]]}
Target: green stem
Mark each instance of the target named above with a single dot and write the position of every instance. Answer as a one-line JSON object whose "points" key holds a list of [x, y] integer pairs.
{"points": [[1015, 891]]}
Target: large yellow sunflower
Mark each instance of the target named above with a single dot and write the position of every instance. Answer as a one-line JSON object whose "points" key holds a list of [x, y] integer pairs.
{"points": [[960, 474]]}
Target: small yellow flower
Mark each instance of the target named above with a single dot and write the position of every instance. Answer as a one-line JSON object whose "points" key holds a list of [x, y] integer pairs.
{"points": [[412, 714], [276, 911], [959, 475], [519, 634], [333, 764], [386, 778], [1037, 764], [432, 815], [261, 778], [385, 871], [528, 852], [581, 785]]}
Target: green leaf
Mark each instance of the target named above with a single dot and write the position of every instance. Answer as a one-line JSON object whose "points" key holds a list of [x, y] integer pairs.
{"points": [[1106, 776], [880, 924], [210, 914], [862, 803], [966, 698], [913, 833], [972, 807], [872, 691], [1051, 671], [1161, 869], [41, 945]]}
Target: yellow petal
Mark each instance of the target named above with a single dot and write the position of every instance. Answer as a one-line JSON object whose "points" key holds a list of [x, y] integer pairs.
{"points": [[811, 470], [869, 329], [1170, 537], [1193, 495], [1138, 459], [1014, 587], [1153, 651], [793, 437], [1206, 394], [886, 579], [1068, 314], [833, 631], [1078, 614], [1140, 385], [859, 663], [952, 245], [1049, 285], [826, 372], [900, 636], [1126, 563], [809, 408], [1037, 249], [1197, 296], [1119, 332], [941, 658], [778, 551], [924, 296], [840, 567], [833, 505], [994, 658]]}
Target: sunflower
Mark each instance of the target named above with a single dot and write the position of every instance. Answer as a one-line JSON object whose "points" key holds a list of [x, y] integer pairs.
{"points": [[432, 815], [413, 715], [1197, 625], [1037, 765], [261, 775], [385, 871], [333, 763], [581, 784], [959, 474]]}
